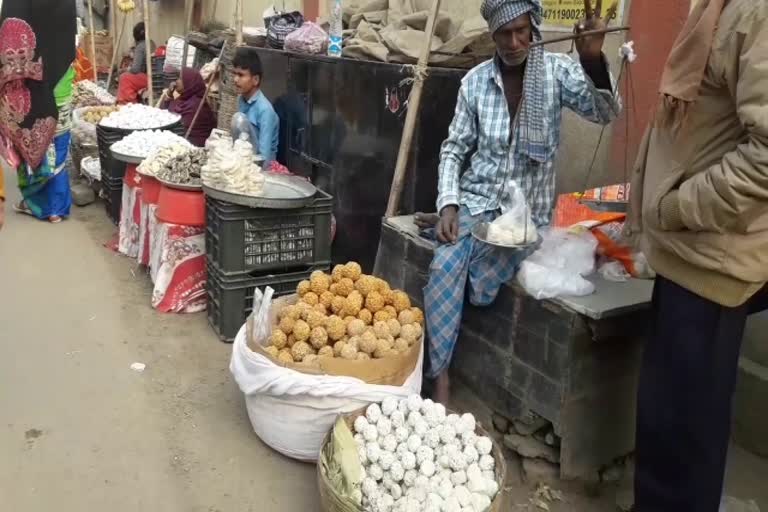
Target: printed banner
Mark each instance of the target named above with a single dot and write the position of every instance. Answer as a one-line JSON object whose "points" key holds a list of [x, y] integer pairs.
{"points": [[562, 15]]}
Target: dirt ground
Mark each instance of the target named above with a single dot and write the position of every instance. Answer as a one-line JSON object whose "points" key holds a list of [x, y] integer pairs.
{"points": [[79, 430]]}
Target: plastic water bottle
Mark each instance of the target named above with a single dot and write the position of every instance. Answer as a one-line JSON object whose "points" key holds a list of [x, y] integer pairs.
{"points": [[336, 29]]}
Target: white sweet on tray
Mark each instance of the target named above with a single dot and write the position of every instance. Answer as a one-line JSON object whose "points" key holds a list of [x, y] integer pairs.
{"points": [[139, 117], [143, 143]]}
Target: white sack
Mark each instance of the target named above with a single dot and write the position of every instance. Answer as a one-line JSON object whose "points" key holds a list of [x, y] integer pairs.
{"points": [[292, 411]]}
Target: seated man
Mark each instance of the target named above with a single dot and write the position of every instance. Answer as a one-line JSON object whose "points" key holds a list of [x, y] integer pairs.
{"points": [[264, 123], [506, 127]]}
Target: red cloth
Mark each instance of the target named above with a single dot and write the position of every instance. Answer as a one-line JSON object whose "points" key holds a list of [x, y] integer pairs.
{"points": [[130, 86], [178, 268], [186, 106], [130, 218]]}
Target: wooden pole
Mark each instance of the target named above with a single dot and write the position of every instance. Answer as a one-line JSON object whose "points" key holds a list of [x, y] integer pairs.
{"points": [[115, 50], [148, 41], [239, 22], [93, 41], [207, 90], [414, 104], [190, 7], [113, 16]]}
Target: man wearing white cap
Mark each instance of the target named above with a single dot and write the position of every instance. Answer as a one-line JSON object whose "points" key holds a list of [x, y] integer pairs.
{"points": [[506, 128]]}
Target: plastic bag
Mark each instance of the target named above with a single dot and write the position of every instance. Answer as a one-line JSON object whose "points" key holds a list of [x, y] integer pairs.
{"points": [[291, 411], [309, 38], [559, 266], [514, 226], [280, 25]]}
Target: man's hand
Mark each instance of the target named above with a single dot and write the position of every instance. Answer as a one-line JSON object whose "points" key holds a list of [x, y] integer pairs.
{"points": [[591, 47], [448, 227]]}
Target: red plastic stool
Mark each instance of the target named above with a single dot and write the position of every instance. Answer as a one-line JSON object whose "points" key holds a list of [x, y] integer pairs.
{"points": [[184, 207], [150, 188]]}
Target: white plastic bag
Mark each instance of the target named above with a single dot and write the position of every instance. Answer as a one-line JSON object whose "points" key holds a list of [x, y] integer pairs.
{"points": [[174, 53], [514, 226], [292, 411], [559, 266]]}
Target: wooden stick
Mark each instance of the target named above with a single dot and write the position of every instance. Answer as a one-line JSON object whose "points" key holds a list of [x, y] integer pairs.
{"points": [[190, 7], [93, 42], [239, 22], [207, 90], [148, 42], [114, 52], [414, 104], [571, 37]]}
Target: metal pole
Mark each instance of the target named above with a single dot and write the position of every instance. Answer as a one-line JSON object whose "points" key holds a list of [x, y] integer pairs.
{"points": [[148, 42], [190, 7]]}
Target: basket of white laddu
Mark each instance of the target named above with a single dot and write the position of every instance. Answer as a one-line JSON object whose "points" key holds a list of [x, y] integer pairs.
{"points": [[410, 455]]}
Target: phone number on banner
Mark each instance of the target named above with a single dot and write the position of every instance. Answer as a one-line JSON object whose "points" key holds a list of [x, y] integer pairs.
{"points": [[564, 15]]}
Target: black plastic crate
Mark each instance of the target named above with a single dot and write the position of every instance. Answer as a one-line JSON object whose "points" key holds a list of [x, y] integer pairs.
{"points": [[113, 202], [240, 239], [230, 297]]}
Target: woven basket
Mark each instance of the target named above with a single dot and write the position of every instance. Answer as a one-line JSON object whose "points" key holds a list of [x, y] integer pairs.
{"points": [[332, 501]]}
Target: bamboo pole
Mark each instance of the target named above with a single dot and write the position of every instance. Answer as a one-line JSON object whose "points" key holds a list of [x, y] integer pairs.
{"points": [[113, 17], [148, 42], [93, 42], [190, 7], [414, 104], [207, 90], [114, 52], [239, 22]]}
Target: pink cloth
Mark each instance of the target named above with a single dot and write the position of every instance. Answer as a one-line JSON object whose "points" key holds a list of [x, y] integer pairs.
{"points": [[178, 268], [130, 218]]}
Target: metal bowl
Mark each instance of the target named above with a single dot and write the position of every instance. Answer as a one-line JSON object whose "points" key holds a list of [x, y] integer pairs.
{"points": [[480, 232], [180, 186], [281, 192], [129, 159]]}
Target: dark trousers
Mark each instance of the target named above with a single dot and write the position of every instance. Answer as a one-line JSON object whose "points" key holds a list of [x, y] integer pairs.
{"points": [[684, 401]]}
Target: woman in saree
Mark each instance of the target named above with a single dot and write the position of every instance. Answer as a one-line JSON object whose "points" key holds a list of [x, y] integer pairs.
{"points": [[184, 98], [37, 48]]}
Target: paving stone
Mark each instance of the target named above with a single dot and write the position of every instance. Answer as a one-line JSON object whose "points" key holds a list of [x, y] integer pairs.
{"points": [[537, 471], [500, 423], [531, 448]]}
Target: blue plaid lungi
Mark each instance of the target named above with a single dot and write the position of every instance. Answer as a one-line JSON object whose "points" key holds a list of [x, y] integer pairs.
{"points": [[468, 261]]}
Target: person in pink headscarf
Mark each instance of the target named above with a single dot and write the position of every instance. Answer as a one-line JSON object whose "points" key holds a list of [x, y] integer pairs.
{"points": [[184, 98]]}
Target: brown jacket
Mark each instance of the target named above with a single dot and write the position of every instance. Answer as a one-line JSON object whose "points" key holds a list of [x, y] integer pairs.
{"points": [[699, 201]]}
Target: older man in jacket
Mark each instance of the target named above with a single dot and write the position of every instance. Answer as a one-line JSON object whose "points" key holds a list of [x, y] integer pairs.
{"points": [[700, 204]]}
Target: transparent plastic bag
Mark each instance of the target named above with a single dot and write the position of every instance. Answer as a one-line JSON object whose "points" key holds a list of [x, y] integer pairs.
{"points": [[514, 226], [309, 38], [560, 265], [259, 323]]}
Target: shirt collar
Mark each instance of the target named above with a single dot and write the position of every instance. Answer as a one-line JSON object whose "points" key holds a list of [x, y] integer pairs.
{"points": [[255, 97]]}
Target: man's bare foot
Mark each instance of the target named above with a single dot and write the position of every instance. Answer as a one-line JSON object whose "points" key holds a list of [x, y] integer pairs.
{"points": [[426, 220], [442, 392]]}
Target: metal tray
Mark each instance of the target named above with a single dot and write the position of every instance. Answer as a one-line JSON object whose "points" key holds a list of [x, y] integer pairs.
{"points": [[606, 206], [180, 186], [480, 232], [280, 192], [129, 159]]}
